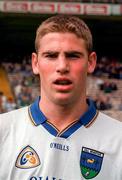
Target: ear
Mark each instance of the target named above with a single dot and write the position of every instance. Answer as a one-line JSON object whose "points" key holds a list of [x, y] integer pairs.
{"points": [[92, 62], [35, 63]]}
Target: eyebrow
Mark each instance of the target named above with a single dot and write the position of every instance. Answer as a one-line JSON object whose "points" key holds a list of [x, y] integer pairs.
{"points": [[74, 52], [65, 52], [50, 53]]}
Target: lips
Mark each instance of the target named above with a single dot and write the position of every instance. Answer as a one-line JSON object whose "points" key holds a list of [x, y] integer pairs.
{"points": [[63, 85]]}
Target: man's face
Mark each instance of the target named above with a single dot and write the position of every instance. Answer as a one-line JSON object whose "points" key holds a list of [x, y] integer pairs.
{"points": [[62, 63]]}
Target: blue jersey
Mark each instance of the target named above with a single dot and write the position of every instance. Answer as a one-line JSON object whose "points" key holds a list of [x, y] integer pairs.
{"points": [[31, 148]]}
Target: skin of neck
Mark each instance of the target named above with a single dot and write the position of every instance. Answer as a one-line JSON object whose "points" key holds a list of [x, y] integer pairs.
{"points": [[62, 116]]}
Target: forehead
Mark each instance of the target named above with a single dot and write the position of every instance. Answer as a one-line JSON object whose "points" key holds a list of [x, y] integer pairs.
{"points": [[61, 40]]}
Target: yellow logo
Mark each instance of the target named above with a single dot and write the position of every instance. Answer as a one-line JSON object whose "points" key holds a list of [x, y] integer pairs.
{"points": [[28, 158]]}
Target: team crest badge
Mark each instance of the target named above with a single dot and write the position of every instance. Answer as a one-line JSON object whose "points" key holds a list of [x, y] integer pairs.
{"points": [[28, 158], [90, 162]]}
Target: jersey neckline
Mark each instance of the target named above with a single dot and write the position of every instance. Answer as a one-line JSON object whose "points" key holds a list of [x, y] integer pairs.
{"points": [[38, 118]]}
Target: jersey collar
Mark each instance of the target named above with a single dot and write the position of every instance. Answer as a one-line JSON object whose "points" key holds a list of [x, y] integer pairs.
{"points": [[38, 117]]}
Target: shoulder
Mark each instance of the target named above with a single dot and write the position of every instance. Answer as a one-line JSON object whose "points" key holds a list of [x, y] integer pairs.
{"points": [[109, 118], [12, 115], [108, 123], [12, 118]]}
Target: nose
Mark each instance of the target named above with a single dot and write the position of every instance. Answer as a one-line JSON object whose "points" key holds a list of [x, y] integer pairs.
{"points": [[62, 65]]}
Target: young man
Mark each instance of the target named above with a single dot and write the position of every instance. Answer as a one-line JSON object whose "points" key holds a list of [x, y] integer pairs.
{"points": [[61, 136]]}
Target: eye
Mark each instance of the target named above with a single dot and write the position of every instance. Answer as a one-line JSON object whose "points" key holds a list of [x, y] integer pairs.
{"points": [[51, 55], [73, 55]]}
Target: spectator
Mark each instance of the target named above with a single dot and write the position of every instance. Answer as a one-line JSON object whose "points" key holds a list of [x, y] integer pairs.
{"points": [[9, 105]]}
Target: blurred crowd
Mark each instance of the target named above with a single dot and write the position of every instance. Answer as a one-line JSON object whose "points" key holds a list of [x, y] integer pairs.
{"points": [[104, 86], [23, 83], [112, 68]]}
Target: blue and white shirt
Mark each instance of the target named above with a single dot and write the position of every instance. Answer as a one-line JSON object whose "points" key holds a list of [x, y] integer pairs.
{"points": [[31, 148]]}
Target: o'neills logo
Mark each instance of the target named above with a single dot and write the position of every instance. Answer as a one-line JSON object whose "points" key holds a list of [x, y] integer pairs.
{"points": [[28, 158]]}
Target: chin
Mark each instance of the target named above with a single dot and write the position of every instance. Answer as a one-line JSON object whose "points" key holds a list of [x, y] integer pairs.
{"points": [[63, 101]]}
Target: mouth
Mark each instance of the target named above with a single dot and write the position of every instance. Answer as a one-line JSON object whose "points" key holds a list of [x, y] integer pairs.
{"points": [[63, 85], [62, 82]]}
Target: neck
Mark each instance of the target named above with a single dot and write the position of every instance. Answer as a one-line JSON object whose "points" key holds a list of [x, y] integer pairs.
{"points": [[62, 116]]}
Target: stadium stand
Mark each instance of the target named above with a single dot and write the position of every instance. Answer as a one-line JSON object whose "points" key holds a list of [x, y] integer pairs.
{"points": [[5, 84], [23, 82]]}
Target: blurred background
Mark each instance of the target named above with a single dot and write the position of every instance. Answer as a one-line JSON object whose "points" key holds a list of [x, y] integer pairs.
{"points": [[18, 23]]}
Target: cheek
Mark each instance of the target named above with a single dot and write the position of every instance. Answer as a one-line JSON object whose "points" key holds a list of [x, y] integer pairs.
{"points": [[44, 71], [80, 74], [81, 69]]}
